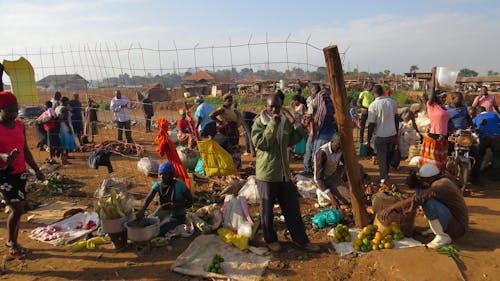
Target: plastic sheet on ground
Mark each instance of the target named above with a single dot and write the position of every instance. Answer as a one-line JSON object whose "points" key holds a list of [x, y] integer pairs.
{"points": [[70, 224], [51, 213], [346, 248], [238, 265]]}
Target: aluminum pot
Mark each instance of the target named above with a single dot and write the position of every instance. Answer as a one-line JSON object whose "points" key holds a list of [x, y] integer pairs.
{"points": [[138, 233]]}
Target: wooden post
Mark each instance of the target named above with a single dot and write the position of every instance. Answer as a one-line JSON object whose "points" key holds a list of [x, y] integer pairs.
{"points": [[344, 122]]}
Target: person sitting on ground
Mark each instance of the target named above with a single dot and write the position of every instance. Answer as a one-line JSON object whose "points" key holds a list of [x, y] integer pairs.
{"points": [[442, 202], [174, 197], [272, 134], [328, 174], [185, 128], [12, 185], [228, 117]]}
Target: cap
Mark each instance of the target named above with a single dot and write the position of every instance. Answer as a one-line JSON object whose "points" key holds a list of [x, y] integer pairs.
{"points": [[199, 99], [428, 170], [6, 99], [165, 167]]}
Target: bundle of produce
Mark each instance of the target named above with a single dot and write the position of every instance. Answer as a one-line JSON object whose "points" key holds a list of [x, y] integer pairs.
{"points": [[370, 238], [341, 234], [114, 206], [214, 266]]}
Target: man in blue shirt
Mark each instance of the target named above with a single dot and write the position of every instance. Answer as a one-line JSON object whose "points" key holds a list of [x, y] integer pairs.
{"points": [[459, 116], [488, 124], [206, 125]]}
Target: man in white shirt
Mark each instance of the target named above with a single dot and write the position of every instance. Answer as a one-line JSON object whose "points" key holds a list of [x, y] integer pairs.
{"points": [[120, 106], [383, 120]]}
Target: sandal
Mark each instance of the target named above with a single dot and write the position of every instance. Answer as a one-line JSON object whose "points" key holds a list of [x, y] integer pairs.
{"points": [[16, 251]]}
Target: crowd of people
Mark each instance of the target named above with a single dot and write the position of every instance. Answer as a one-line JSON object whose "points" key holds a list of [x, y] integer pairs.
{"points": [[307, 129]]}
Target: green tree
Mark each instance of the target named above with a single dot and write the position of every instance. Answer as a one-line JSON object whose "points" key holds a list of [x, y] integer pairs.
{"points": [[465, 72], [492, 73], [414, 68], [387, 72]]}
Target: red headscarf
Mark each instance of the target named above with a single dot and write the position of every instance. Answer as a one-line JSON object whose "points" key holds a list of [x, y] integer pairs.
{"points": [[6, 99]]}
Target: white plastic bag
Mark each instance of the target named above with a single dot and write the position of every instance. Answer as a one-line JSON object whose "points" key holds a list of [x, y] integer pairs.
{"points": [[147, 166], [250, 191], [305, 186]]}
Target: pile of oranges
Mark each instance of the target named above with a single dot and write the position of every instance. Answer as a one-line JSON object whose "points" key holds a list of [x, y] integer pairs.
{"points": [[371, 239], [341, 234]]}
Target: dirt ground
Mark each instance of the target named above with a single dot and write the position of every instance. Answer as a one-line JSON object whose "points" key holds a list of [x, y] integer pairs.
{"points": [[479, 248]]}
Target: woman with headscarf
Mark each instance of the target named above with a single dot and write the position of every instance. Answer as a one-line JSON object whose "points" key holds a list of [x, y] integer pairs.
{"points": [[229, 118], [14, 154], [435, 145], [66, 134]]}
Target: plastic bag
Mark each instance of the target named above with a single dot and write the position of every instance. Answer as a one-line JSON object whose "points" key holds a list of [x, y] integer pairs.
{"points": [[148, 166], [250, 191], [189, 157], [216, 160], [329, 217], [199, 168]]}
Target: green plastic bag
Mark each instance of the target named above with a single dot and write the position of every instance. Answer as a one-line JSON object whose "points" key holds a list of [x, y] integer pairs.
{"points": [[329, 217]]}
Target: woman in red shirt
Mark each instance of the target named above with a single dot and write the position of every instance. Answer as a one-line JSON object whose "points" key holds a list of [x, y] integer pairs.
{"points": [[185, 129], [435, 145], [13, 181]]}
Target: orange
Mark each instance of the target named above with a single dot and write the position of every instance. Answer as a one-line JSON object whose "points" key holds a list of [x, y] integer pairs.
{"points": [[374, 247], [376, 241], [388, 245], [358, 243], [378, 235], [389, 237], [357, 248], [361, 235], [396, 229], [366, 231]]}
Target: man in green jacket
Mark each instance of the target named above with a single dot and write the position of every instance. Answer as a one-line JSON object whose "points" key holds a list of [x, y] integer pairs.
{"points": [[272, 134]]}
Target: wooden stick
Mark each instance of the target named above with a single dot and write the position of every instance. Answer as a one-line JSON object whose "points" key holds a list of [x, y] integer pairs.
{"points": [[344, 122]]}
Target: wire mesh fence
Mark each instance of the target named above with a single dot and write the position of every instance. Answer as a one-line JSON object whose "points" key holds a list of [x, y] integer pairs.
{"points": [[109, 66]]}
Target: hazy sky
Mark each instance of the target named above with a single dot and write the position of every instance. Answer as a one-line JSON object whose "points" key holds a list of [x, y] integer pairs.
{"points": [[379, 34]]}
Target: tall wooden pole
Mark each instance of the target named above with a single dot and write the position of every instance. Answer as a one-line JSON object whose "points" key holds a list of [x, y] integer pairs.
{"points": [[344, 122]]}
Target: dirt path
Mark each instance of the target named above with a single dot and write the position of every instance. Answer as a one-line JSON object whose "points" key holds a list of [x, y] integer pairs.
{"points": [[479, 248]]}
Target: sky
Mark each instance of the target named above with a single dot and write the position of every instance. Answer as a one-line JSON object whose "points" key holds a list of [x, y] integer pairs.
{"points": [[374, 35]]}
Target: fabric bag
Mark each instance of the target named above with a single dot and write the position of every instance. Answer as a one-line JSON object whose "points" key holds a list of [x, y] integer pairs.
{"points": [[300, 148]]}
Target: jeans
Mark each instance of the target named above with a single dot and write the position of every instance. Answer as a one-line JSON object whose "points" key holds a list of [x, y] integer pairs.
{"points": [[362, 125], [148, 123], [308, 161], [385, 149], [124, 126], [311, 148], [434, 209]]}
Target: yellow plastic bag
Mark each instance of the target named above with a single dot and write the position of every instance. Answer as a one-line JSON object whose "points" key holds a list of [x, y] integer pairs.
{"points": [[216, 160], [241, 242], [22, 79]]}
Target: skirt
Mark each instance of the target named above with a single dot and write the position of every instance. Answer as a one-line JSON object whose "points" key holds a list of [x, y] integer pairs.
{"points": [[434, 152], [66, 139], [13, 188]]}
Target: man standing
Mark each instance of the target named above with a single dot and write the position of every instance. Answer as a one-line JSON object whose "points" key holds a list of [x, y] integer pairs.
{"points": [[147, 107], [383, 120], [205, 125], [308, 160], [486, 100], [364, 100], [120, 106], [488, 124], [76, 117], [323, 123], [272, 134]]}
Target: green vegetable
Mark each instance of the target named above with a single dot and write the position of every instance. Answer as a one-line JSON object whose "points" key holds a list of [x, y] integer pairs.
{"points": [[450, 251]]}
